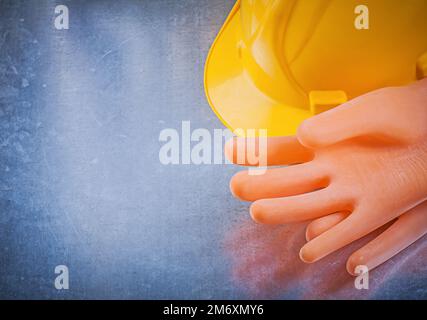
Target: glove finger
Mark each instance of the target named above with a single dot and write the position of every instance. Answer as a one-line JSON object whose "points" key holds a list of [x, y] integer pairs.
{"points": [[323, 224], [300, 207], [276, 150], [279, 182], [408, 228], [350, 120], [357, 225]]}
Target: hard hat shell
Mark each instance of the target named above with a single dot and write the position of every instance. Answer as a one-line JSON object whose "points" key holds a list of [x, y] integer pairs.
{"points": [[275, 63]]}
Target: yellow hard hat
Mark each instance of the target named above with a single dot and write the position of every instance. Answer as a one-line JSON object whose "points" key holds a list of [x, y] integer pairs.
{"points": [[275, 63]]}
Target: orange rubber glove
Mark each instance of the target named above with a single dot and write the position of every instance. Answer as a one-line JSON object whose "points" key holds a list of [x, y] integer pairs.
{"points": [[358, 167]]}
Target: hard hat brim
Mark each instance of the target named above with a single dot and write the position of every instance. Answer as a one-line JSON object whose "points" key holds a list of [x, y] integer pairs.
{"points": [[233, 96]]}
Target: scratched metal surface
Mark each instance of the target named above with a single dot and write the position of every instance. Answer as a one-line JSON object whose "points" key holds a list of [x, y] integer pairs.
{"points": [[80, 180]]}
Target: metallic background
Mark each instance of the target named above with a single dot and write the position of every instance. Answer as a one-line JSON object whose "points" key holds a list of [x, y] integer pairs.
{"points": [[81, 183]]}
